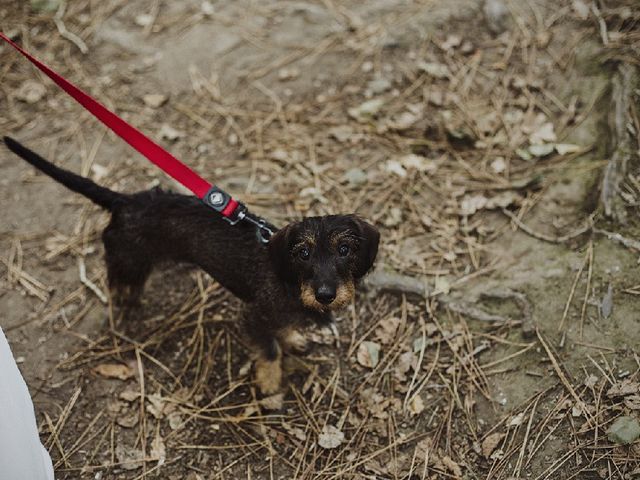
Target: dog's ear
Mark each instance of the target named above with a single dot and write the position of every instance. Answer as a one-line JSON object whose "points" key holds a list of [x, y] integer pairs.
{"points": [[369, 238], [279, 248]]}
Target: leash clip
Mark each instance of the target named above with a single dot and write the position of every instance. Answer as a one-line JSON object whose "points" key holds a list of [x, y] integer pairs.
{"points": [[233, 211], [264, 230]]}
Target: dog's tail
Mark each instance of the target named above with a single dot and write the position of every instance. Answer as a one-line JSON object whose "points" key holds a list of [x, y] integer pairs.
{"points": [[100, 195]]}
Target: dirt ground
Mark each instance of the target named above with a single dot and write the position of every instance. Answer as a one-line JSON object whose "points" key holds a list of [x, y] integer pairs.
{"points": [[475, 138]]}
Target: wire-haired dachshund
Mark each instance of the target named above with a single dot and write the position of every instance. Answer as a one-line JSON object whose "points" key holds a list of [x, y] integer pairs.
{"points": [[308, 269]]}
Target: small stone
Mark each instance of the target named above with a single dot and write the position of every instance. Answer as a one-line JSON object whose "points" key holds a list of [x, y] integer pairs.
{"points": [[330, 437], [378, 85], [541, 150], [207, 8], [496, 14], [452, 41], [144, 20], [167, 132], [366, 110], [581, 9], [286, 74], [565, 148], [45, 5], [436, 70], [394, 217], [31, 92], [155, 100], [367, 66], [467, 47], [355, 176], [499, 165], [624, 431]]}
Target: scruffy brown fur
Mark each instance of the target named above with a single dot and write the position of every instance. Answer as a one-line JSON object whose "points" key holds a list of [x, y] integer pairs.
{"points": [[307, 270]]}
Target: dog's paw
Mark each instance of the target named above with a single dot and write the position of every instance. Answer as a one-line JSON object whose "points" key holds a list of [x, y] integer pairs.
{"points": [[296, 342], [272, 402], [268, 376]]}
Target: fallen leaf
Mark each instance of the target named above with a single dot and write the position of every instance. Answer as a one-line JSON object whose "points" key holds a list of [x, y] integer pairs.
{"points": [[155, 100], [416, 405], [157, 405], [591, 381], [129, 420], [295, 431], [129, 395], [624, 388], [490, 443], [606, 306], [624, 431], [404, 364], [517, 420], [158, 449], [387, 328], [632, 402], [452, 466], [330, 437], [114, 370], [442, 284], [128, 458], [175, 421], [368, 354]]}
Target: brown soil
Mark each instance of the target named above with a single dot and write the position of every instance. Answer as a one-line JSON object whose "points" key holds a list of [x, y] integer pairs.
{"points": [[267, 99]]}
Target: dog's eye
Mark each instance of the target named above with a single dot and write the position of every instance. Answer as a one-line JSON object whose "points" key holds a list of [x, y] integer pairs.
{"points": [[303, 253], [343, 250]]}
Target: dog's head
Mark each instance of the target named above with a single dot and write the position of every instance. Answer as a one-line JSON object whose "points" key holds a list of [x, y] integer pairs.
{"points": [[324, 257]]}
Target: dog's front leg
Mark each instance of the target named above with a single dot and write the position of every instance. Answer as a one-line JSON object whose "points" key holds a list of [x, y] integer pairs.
{"points": [[261, 328], [268, 366]]}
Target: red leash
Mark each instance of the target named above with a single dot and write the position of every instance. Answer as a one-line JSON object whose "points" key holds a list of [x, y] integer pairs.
{"points": [[232, 210]]}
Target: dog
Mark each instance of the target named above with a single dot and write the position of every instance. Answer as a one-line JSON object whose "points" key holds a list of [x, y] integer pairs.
{"points": [[307, 270]]}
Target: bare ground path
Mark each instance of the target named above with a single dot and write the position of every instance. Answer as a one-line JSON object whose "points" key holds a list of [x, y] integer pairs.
{"points": [[476, 144]]}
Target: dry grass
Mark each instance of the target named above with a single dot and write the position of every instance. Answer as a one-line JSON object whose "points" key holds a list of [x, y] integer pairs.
{"points": [[437, 169]]}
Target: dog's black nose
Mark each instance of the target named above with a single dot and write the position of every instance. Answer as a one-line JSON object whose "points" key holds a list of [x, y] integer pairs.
{"points": [[325, 294]]}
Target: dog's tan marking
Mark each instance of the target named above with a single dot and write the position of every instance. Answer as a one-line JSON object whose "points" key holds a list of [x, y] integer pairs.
{"points": [[338, 237], [292, 340], [344, 295], [269, 374], [306, 240], [308, 297]]}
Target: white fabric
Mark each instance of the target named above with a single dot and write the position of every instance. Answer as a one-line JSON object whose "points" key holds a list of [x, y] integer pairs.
{"points": [[22, 456]]}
